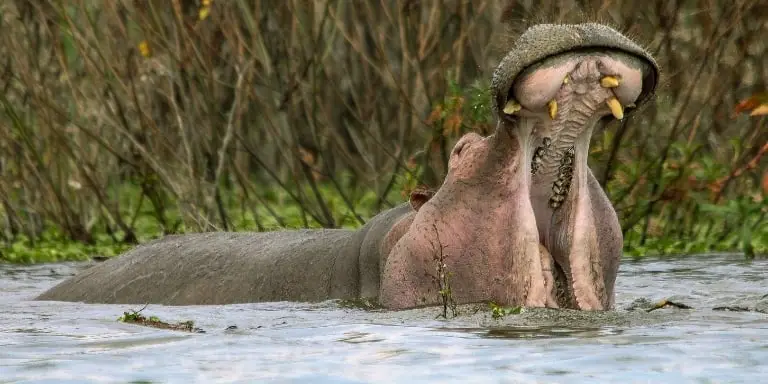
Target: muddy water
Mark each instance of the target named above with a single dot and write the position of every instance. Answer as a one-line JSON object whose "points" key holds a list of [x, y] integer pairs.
{"points": [[325, 342]]}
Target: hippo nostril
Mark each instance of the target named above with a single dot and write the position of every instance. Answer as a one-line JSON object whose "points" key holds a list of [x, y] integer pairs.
{"points": [[463, 142]]}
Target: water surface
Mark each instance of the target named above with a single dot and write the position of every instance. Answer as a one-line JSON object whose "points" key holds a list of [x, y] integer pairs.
{"points": [[326, 342]]}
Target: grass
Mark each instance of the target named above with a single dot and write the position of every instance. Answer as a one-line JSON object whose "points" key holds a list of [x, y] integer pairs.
{"points": [[54, 246], [738, 225]]}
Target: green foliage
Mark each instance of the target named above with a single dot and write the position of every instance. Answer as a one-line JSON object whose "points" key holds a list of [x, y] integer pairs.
{"points": [[737, 225], [479, 95], [135, 317], [53, 247], [499, 312]]}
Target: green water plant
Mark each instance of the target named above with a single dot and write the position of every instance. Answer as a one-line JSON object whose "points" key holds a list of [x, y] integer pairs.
{"points": [[135, 317], [498, 312]]}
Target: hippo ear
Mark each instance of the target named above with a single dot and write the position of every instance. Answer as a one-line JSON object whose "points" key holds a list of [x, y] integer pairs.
{"points": [[419, 196]]}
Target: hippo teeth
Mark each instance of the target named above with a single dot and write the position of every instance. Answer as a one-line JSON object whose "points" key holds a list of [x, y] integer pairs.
{"points": [[609, 82], [511, 107], [552, 105], [616, 109]]}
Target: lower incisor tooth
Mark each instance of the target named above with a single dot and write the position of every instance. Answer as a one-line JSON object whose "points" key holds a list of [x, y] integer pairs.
{"points": [[616, 109]]}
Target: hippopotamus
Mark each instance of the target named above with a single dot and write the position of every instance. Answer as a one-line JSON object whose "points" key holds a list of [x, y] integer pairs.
{"points": [[518, 220]]}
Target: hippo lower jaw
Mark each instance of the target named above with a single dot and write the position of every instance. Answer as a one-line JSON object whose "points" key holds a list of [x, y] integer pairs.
{"points": [[474, 240]]}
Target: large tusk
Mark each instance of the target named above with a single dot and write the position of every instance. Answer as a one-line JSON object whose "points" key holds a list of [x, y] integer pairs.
{"points": [[511, 107], [552, 108], [609, 82], [616, 109]]}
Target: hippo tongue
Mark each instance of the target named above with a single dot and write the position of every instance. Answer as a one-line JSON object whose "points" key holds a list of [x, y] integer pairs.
{"points": [[585, 277], [566, 228]]}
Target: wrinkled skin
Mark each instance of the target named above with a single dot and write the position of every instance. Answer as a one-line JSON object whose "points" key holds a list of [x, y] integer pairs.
{"points": [[479, 227], [518, 220]]}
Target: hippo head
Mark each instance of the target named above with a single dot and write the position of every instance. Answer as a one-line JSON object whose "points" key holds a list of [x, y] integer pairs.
{"points": [[519, 218]]}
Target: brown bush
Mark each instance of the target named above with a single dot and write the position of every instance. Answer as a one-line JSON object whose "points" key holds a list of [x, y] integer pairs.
{"points": [[213, 104]]}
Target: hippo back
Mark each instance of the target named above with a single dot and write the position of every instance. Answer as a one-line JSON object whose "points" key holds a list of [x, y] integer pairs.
{"points": [[223, 268]]}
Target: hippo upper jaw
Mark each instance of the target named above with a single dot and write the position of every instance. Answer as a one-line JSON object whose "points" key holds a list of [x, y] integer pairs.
{"points": [[475, 237], [545, 41]]}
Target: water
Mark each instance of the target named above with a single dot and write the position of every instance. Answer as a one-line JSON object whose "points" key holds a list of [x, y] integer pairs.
{"points": [[325, 342]]}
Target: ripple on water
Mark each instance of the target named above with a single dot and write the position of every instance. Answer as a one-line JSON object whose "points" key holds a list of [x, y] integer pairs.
{"points": [[326, 342]]}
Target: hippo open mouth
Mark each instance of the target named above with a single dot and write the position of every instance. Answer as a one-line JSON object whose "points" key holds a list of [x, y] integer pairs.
{"points": [[557, 103], [554, 105]]}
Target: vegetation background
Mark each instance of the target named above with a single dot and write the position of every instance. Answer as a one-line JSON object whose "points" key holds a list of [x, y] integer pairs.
{"points": [[124, 120]]}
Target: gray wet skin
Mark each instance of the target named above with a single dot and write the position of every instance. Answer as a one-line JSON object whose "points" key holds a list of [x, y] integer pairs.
{"points": [[519, 219]]}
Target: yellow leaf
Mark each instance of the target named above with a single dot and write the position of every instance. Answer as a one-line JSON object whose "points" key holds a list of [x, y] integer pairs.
{"points": [[760, 110], [204, 12], [144, 49], [756, 105]]}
